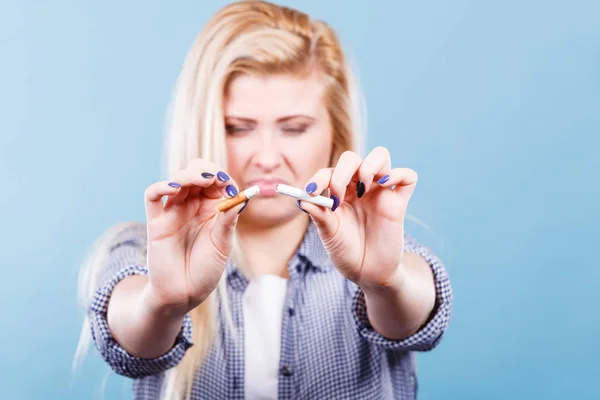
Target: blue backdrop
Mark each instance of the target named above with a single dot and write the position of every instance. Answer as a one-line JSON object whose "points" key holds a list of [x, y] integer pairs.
{"points": [[495, 103]]}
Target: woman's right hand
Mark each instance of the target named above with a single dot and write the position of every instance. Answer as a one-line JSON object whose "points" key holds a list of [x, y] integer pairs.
{"points": [[189, 240]]}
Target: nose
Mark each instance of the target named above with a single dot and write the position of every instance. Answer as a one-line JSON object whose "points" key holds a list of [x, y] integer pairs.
{"points": [[267, 156]]}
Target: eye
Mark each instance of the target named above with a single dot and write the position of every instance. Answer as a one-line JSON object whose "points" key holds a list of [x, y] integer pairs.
{"points": [[295, 129], [237, 129]]}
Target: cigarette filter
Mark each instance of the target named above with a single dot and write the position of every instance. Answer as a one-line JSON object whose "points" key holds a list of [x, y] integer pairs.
{"points": [[243, 196]]}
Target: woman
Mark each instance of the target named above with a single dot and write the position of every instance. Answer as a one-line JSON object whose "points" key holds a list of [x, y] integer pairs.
{"points": [[281, 300]]}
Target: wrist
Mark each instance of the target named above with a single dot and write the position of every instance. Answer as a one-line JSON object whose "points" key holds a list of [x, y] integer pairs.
{"points": [[393, 285], [155, 308]]}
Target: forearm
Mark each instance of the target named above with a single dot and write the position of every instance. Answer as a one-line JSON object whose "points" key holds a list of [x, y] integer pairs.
{"points": [[399, 310], [142, 330]]}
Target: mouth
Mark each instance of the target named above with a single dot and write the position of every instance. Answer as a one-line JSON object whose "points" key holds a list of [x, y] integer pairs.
{"points": [[267, 186]]}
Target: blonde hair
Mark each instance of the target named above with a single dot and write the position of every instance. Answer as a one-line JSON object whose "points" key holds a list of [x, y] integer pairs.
{"points": [[246, 37]]}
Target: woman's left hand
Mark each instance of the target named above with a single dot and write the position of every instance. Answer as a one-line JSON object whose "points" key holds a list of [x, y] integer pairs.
{"points": [[364, 232]]}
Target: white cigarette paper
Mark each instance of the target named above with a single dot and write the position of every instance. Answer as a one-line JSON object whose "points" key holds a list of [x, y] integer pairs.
{"points": [[252, 191], [302, 195]]}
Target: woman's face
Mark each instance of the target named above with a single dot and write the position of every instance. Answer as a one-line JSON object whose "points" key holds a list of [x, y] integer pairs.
{"points": [[278, 131]]}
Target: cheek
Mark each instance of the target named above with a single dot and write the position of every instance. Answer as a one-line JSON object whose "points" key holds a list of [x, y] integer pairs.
{"points": [[310, 153], [321, 146], [236, 156]]}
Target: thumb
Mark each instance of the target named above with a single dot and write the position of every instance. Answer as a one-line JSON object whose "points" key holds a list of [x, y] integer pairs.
{"points": [[224, 227], [327, 222]]}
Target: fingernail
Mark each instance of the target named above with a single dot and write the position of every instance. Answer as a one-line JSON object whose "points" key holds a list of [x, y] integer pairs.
{"points": [[360, 189], [245, 204], [174, 184], [222, 176], [311, 187], [383, 179], [207, 175], [231, 190], [298, 204], [336, 202]]}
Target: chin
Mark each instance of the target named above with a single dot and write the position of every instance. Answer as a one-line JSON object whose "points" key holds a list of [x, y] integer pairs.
{"points": [[270, 211]]}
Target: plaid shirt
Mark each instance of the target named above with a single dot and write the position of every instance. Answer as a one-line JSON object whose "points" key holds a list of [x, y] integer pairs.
{"points": [[328, 348]]}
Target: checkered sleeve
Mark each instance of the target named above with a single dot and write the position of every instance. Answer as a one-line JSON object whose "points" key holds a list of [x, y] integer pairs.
{"points": [[430, 334], [124, 261]]}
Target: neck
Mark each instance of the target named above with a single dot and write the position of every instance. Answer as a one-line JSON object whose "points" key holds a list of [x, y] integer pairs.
{"points": [[268, 249]]}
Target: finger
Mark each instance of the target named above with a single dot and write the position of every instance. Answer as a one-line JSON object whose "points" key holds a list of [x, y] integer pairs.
{"points": [[402, 180], [377, 163], [154, 194], [205, 179], [224, 227], [319, 181], [222, 185], [342, 175], [191, 184], [398, 177], [327, 222]]}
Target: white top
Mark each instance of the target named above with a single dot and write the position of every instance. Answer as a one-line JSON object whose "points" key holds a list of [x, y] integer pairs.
{"points": [[263, 306]]}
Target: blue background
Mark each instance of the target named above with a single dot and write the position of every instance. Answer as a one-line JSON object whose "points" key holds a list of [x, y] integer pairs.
{"points": [[495, 103]]}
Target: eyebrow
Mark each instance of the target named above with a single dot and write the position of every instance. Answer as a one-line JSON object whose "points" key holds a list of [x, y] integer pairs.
{"points": [[282, 119]]}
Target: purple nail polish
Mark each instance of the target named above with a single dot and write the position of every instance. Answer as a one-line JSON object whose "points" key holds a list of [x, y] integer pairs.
{"points": [[311, 187], [383, 179], [298, 204], [336, 202], [207, 175], [174, 184], [231, 190], [222, 176]]}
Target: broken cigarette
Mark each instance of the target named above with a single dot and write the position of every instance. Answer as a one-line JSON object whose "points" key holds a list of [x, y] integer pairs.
{"points": [[302, 195], [240, 198]]}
